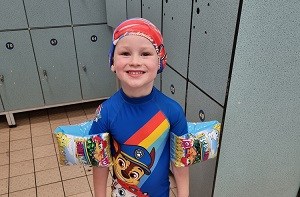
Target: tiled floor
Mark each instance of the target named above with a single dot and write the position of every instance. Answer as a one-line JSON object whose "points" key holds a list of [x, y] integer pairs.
{"points": [[28, 155]]}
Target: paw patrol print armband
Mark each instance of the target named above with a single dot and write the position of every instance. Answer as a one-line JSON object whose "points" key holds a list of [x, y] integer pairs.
{"points": [[199, 144], [77, 146]]}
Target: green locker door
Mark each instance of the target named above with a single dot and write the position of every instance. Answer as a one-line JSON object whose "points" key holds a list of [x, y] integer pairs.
{"points": [[19, 84], [92, 44], [88, 12], [202, 108], [174, 86], [57, 65], [45, 13], [12, 15]]}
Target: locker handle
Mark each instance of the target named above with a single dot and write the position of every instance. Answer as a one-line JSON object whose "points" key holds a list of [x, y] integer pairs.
{"points": [[84, 68], [45, 74], [2, 78]]}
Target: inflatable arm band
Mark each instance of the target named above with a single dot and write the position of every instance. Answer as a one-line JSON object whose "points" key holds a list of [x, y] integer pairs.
{"points": [[77, 146], [199, 144]]}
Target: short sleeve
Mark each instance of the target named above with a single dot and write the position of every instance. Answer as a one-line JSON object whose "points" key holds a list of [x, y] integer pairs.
{"points": [[100, 122], [178, 121]]}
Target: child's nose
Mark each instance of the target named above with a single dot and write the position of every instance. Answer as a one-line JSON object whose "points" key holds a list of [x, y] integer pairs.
{"points": [[135, 60]]}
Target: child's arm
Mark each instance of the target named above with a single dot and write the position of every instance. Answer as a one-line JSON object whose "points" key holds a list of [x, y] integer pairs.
{"points": [[181, 175], [100, 175]]}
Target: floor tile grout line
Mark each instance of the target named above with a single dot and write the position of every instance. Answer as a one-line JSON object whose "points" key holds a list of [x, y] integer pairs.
{"points": [[57, 155], [8, 179], [86, 176], [34, 172]]}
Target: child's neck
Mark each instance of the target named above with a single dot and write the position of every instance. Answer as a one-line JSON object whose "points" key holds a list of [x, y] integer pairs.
{"points": [[137, 93]]}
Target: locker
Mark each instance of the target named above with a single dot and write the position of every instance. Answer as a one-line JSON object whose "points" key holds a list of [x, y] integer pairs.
{"points": [[176, 31], [44, 13], [157, 81], [201, 108], [88, 11], [12, 15], [152, 10], [115, 12], [134, 8], [19, 81], [57, 65], [213, 29], [261, 126], [174, 86], [92, 45]]}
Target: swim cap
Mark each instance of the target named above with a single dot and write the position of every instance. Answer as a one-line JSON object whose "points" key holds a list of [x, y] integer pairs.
{"points": [[144, 28]]}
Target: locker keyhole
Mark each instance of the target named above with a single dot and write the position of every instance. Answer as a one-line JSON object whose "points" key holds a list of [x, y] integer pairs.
{"points": [[201, 115], [198, 11], [2, 78], [172, 89]]}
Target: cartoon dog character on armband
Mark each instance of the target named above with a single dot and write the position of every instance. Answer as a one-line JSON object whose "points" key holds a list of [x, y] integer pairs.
{"points": [[131, 163]]}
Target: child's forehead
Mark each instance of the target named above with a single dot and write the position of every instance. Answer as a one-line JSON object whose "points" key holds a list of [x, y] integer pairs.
{"points": [[134, 40]]}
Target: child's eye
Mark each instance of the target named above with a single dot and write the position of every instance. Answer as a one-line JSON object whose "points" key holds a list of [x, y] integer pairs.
{"points": [[146, 54], [125, 53]]}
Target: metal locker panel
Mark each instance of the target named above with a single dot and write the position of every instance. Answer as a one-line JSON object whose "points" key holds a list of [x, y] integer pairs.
{"points": [[56, 60], [19, 84], [92, 45], [260, 151], [12, 15], [213, 29], [174, 86], [157, 81], [152, 11], [115, 12], [88, 11], [201, 108], [44, 13], [176, 31], [134, 8]]}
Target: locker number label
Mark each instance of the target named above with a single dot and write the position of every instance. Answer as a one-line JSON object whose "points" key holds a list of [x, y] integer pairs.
{"points": [[94, 38], [201, 115], [172, 89], [9, 45], [53, 42]]}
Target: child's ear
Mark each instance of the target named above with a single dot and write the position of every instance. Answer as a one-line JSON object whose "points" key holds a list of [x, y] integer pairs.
{"points": [[112, 68]]}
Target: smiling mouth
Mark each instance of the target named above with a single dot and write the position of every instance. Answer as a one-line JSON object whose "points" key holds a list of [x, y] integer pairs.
{"points": [[135, 72]]}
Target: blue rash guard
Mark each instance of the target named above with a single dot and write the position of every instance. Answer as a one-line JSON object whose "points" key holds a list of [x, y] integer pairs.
{"points": [[140, 131]]}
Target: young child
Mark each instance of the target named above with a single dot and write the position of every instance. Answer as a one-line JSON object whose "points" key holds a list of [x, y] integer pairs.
{"points": [[139, 118]]}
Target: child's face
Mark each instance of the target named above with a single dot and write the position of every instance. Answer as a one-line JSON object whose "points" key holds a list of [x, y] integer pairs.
{"points": [[136, 64]]}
